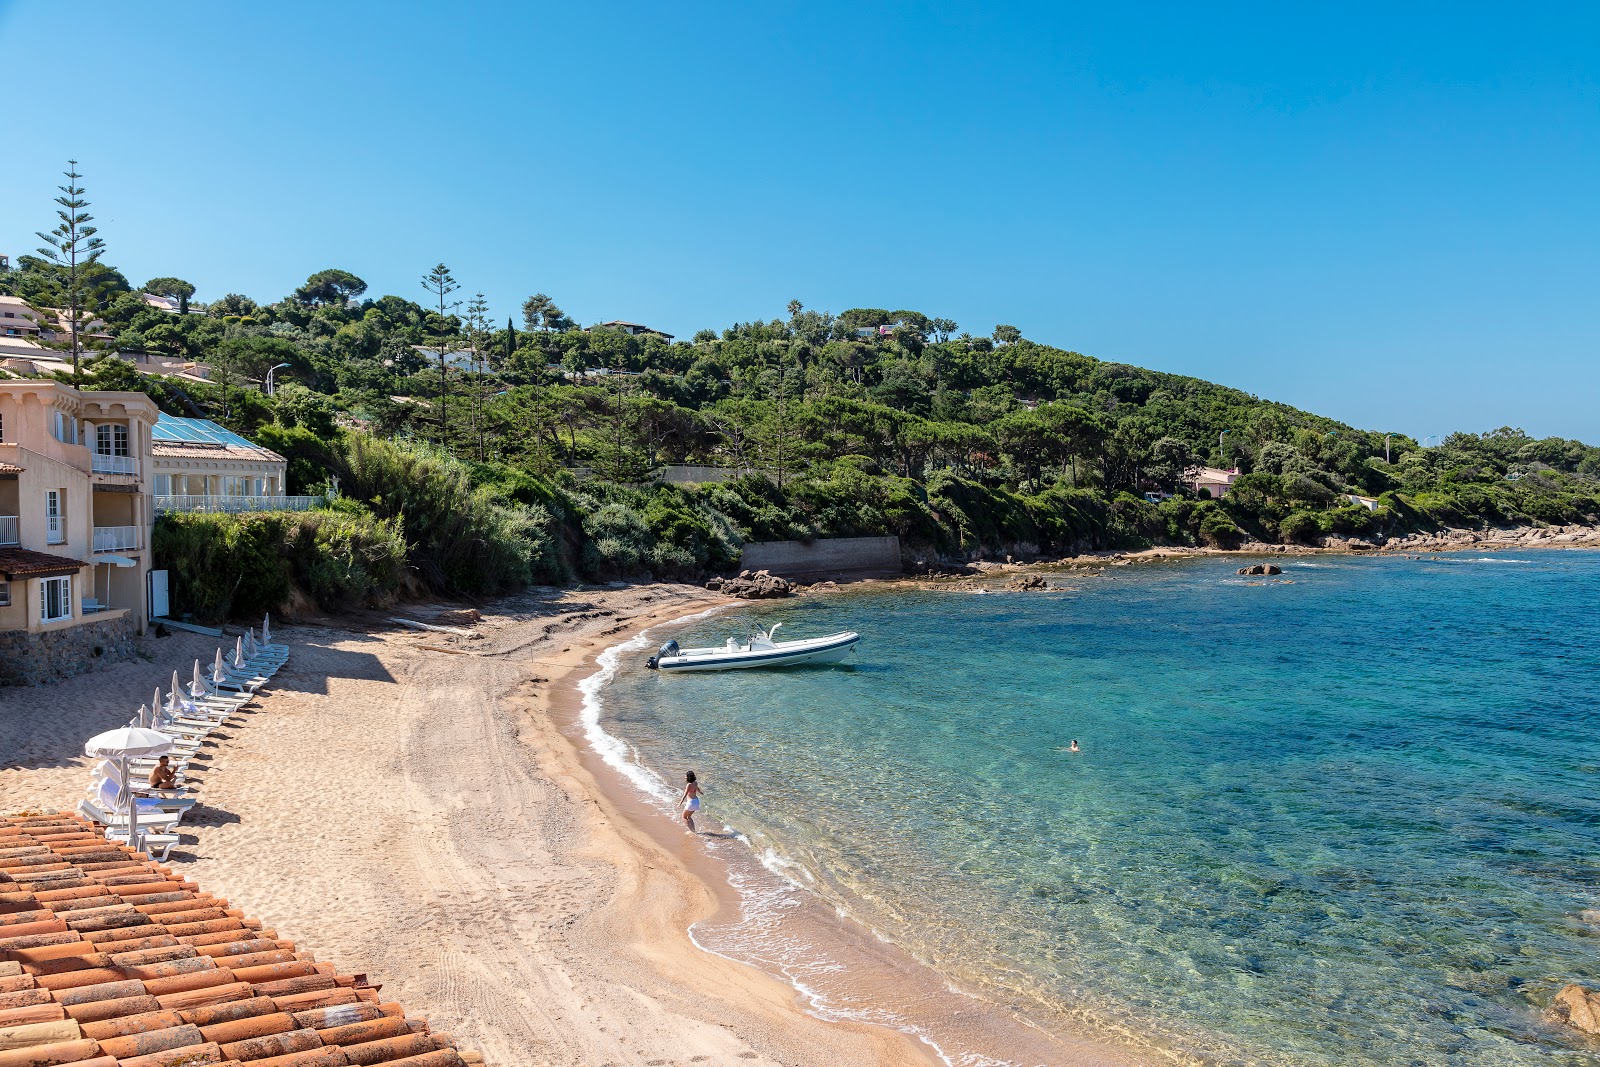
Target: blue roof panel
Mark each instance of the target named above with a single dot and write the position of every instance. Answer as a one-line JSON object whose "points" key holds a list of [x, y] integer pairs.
{"points": [[195, 431]]}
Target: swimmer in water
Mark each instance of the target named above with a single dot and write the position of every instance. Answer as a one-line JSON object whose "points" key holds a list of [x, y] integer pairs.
{"points": [[1074, 746]]}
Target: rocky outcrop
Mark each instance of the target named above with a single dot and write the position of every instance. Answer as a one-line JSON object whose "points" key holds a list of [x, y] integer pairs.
{"points": [[1262, 568], [760, 585], [1578, 1008], [1028, 581]]}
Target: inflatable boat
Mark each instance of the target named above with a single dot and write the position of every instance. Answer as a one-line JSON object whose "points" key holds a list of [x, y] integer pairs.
{"points": [[760, 651]]}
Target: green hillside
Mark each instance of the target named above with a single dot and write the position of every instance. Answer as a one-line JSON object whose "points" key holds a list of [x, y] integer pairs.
{"points": [[541, 439]]}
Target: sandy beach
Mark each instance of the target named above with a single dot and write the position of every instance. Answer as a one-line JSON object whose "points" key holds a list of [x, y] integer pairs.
{"points": [[406, 804]]}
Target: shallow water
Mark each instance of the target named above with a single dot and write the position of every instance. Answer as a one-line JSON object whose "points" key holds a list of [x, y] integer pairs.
{"points": [[1346, 817]]}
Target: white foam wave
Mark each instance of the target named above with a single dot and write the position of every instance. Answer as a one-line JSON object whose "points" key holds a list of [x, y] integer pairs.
{"points": [[613, 750]]}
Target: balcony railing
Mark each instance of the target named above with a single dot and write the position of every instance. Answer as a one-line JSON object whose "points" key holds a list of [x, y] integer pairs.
{"points": [[116, 538], [165, 504], [103, 464], [10, 533]]}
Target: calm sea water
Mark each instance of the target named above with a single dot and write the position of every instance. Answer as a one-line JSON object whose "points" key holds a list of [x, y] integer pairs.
{"points": [[1348, 817]]}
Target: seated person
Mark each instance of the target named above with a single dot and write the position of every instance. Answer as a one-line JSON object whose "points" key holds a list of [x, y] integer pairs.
{"points": [[163, 776]]}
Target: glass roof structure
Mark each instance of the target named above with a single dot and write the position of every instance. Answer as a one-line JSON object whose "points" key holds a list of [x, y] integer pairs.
{"points": [[201, 432]]}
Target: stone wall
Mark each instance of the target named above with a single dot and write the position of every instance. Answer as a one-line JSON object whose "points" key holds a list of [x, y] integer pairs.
{"points": [[37, 658], [826, 557]]}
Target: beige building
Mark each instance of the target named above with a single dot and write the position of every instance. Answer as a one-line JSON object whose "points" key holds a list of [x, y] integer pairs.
{"points": [[75, 506], [1214, 480], [200, 466]]}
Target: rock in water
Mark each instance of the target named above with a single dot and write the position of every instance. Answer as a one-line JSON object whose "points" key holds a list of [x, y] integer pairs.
{"points": [[1578, 1007], [1262, 568], [1028, 581]]}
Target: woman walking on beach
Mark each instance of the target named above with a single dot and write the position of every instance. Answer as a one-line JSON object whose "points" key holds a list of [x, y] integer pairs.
{"points": [[690, 801]]}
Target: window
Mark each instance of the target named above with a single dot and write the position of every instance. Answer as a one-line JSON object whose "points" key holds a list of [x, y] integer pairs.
{"points": [[55, 516], [66, 428], [5, 594], [111, 440], [163, 485], [234, 486], [55, 599]]}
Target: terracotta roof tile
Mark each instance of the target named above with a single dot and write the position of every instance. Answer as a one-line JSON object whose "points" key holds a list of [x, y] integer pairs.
{"points": [[11, 468], [124, 963], [26, 563]]}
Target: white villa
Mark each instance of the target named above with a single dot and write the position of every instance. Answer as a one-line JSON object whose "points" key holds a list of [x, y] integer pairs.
{"points": [[200, 466]]}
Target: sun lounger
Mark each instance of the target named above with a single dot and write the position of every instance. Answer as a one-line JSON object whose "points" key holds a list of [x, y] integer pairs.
{"points": [[156, 821], [156, 844]]}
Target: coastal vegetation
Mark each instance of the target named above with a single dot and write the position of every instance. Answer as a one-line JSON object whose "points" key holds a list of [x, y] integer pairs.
{"points": [[472, 458]]}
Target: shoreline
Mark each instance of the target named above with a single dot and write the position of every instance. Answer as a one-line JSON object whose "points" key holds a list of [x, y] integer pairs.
{"points": [[890, 990]]}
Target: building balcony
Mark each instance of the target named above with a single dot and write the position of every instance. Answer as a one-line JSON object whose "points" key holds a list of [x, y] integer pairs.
{"points": [[10, 530], [116, 538], [164, 504], [102, 464]]}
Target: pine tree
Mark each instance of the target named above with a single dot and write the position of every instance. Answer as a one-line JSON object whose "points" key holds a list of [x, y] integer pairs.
{"points": [[441, 284], [73, 247]]}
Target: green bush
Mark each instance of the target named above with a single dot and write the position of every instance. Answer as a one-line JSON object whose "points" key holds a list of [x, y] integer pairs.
{"points": [[238, 566]]}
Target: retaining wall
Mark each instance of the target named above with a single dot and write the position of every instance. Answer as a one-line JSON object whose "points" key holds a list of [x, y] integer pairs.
{"points": [[35, 658], [854, 557]]}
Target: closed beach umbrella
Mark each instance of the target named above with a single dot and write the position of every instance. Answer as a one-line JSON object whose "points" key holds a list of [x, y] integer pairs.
{"points": [[127, 743], [266, 628], [198, 689], [142, 720], [250, 642], [175, 697], [238, 652]]}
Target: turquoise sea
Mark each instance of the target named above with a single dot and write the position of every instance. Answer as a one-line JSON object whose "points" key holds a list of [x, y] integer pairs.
{"points": [[1349, 816]]}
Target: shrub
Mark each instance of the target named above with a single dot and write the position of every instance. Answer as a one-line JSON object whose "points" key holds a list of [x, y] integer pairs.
{"points": [[238, 566]]}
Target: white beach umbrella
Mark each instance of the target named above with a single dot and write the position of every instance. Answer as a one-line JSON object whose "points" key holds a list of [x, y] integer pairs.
{"points": [[130, 742], [155, 705], [266, 628], [250, 642], [238, 652], [198, 688], [142, 719]]}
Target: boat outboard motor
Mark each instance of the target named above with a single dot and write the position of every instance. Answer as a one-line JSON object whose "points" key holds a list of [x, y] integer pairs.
{"points": [[668, 649]]}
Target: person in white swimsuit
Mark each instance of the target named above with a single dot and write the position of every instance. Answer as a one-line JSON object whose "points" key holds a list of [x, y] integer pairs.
{"points": [[690, 801]]}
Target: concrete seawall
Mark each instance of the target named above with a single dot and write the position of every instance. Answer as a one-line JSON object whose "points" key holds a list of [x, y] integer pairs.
{"points": [[826, 557]]}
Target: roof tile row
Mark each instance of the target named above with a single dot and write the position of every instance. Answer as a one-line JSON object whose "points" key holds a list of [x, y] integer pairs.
{"points": [[110, 960]]}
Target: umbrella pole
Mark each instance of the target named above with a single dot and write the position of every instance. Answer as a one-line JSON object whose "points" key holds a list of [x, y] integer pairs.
{"points": [[133, 808]]}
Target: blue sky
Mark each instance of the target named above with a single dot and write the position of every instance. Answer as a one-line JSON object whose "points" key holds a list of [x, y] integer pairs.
{"points": [[1388, 218]]}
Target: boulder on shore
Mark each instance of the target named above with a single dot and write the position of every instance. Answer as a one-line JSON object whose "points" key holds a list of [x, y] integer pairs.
{"points": [[1262, 568], [761, 585], [1578, 1008]]}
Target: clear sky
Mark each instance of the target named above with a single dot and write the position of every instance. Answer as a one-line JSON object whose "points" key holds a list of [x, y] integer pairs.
{"points": [[1391, 218]]}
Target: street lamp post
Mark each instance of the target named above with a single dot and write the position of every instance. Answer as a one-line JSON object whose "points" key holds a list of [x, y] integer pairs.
{"points": [[272, 386]]}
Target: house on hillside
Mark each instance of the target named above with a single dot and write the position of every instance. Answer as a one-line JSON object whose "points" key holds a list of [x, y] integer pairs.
{"points": [[75, 516], [200, 466], [1214, 480], [632, 328]]}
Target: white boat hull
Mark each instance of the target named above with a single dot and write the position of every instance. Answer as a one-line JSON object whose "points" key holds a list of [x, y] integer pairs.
{"points": [[834, 648]]}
